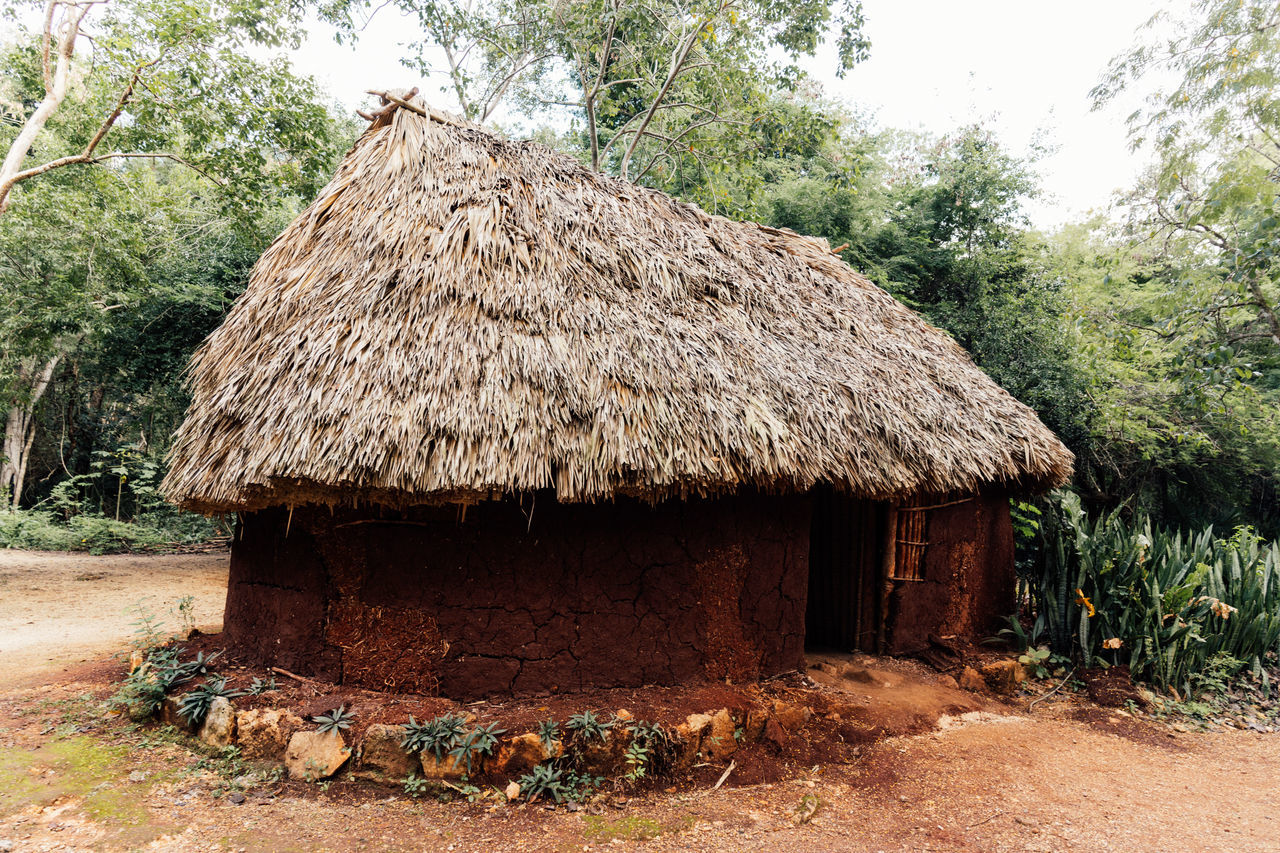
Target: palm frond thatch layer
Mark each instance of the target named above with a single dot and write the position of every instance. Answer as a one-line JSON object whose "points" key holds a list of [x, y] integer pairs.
{"points": [[460, 316]]}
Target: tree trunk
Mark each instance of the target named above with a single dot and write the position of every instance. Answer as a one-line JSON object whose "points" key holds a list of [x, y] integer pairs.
{"points": [[1264, 307], [20, 431], [56, 81]]}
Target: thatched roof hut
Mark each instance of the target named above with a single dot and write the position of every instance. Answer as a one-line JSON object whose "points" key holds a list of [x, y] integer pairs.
{"points": [[718, 423], [459, 316]]}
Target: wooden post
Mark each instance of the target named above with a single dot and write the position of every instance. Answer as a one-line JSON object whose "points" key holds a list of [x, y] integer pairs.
{"points": [[887, 557]]}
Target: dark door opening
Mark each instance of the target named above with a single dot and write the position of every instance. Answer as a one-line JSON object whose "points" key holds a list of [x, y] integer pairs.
{"points": [[844, 556]]}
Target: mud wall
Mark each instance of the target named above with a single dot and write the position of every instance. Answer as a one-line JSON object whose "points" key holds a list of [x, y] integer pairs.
{"points": [[967, 575], [505, 599]]}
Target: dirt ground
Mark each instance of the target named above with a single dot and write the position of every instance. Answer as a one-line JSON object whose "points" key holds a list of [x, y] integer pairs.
{"points": [[1064, 776], [61, 609]]}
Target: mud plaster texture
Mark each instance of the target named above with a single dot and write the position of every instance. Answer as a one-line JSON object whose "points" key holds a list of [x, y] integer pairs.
{"points": [[504, 599], [968, 576]]}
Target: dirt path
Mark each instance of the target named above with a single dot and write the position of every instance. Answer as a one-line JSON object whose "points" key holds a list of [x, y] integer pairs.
{"points": [[60, 609], [1070, 777]]}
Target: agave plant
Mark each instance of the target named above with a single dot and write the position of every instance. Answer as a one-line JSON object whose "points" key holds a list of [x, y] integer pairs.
{"points": [[1170, 605], [194, 706], [335, 720]]}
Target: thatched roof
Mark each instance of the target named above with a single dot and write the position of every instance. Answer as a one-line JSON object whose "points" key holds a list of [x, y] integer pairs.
{"points": [[460, 316]]}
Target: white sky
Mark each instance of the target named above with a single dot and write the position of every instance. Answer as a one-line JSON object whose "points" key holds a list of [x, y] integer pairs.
{"points": [[1021, 66]]}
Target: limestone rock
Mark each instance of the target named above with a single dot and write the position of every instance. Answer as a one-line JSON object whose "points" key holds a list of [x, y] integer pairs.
{"points": [[775, 734], [169, 715], [1003, 676], [219, 727], [512, 791], [722, 743], [263, 733], [971, 680], [382, 759], [753, 728], [790, 717], [313, 756], [624, 715], [522, 753], [606, 757], [691, 732], [447, 767]]}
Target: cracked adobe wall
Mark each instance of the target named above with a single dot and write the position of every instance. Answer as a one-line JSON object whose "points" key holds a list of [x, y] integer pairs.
{"points": [[968, 576], [548, 597]]}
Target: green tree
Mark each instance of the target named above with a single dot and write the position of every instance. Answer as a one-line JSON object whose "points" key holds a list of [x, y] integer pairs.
{"points": [[656, 90], [1216, 136], [1186, 427], [84, 232], [956, 245], [167, 79]]}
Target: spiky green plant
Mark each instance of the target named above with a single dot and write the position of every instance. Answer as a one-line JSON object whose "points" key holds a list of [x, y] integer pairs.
{"points": [[587, 726], [335, 720], [194, 706]]}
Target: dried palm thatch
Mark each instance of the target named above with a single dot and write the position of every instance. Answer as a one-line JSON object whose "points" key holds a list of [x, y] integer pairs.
{"points": [[460, 316]]}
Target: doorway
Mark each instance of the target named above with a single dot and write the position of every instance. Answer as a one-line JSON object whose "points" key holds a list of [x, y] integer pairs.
{"points": [[844, 557]]}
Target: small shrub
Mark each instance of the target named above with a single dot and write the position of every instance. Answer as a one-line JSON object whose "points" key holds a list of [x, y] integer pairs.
{"points": [[649, 747], [194, 707], [549, 734], [335, 720], [145, 688], [637, 761], [33, 530], [543, 781], [581, 786], [100, 535], [258, 687], [439, 735], [1034, 661], [186, 613], [587, 727], [479, 741]]}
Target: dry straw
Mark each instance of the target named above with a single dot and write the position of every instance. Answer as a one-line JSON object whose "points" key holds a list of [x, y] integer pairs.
{"points": [[460, 316]]}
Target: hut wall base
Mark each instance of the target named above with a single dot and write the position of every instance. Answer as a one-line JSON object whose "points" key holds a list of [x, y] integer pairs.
{"points": [[506, 600]]}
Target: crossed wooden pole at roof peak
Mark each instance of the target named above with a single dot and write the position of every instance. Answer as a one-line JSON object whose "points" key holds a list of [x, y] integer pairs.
{"points": [[391, 102]]}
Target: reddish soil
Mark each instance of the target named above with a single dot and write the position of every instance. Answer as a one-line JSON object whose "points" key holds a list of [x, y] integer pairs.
{"points": [[920, 767]]}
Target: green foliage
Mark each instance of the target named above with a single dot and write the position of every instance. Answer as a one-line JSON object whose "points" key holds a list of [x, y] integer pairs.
{"points": [[1175, 608], [649, 750], [677, 95], [335, 720], [580, 786], [1016, 636], [258, 687], [109, 277], [195, 704], [161, 671], [587, 726], [247, 121], [549, 734], [416, 786], [438, 736], [479, 741], [545, 780], [637, 761], [1036, 662]]}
